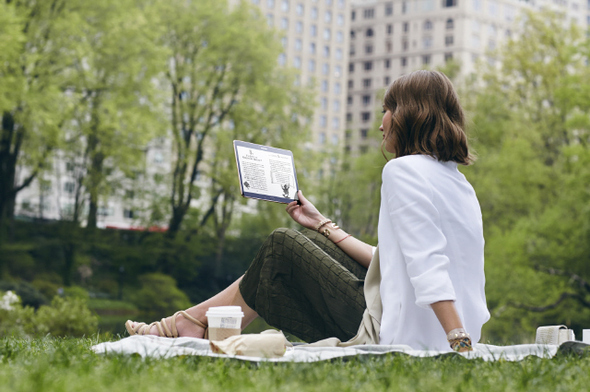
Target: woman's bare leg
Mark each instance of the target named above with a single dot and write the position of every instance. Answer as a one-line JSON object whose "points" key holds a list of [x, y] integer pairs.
{"points": [[231, 296]]}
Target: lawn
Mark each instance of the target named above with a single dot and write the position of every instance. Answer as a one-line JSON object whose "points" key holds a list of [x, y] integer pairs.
{"points": [[52, 364]]}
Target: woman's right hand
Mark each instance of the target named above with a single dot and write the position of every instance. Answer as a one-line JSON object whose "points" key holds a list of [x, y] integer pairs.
{"points": [[305, 213]]}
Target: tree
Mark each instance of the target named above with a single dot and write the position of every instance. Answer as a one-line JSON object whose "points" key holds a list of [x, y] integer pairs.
{"points": [[35, 57], [114, 98], [222, 58], [531, 128]]}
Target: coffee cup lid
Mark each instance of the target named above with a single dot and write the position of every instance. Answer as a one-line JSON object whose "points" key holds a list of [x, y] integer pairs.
{"points": [[225, 311]]}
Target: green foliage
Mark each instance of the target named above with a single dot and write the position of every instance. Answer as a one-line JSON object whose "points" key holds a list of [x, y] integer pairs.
{"points": [[64, 317], [29, 295], [159, 295], [531, 129]]}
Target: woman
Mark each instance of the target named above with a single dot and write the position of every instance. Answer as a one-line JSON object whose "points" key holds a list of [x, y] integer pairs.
{"points": [[430, 244]]}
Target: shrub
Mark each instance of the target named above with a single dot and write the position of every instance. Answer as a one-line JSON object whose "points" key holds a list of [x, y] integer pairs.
{"points": [[159, 295], [66, 317], [29, 295], [76, 292]]}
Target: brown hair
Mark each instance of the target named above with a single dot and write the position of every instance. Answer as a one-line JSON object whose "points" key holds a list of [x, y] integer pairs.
{"points": [[427, 117]]}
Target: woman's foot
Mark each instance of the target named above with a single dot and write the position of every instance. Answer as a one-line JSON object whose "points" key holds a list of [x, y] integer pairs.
{"points": [[181, 324]]}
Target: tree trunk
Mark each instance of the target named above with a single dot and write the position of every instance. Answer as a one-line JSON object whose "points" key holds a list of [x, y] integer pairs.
{"points": [[95, 178]]}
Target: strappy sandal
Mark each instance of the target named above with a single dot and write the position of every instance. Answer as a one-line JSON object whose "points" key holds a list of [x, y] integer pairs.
{"points": [[163, 329]]}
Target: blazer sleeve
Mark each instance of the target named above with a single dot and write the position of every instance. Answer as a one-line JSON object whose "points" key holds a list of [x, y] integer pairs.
{"points": [[417, 229]]}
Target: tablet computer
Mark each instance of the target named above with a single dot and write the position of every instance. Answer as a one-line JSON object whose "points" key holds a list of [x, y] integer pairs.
{"points": [[266, 173]]}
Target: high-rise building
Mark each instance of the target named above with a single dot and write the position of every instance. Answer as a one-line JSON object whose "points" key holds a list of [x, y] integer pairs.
{"points": [[316, 41], [389, 38]]}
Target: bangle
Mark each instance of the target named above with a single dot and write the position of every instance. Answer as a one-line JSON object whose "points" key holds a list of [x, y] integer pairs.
{"points": [[457, 333], [321, 223], [458, 345], [342, 239]]}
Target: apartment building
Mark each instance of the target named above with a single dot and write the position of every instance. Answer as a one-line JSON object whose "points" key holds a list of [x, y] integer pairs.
{"points": [[389, 38], [316, 41]]}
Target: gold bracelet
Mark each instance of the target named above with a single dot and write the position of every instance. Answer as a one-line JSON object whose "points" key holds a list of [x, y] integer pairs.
{"points": [[321, 223]]}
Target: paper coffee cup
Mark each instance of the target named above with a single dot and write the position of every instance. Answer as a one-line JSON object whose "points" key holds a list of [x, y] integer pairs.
{"points": [[224, 321], [586, 336]]}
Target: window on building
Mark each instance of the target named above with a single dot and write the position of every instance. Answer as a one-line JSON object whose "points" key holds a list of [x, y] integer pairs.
{"points": [[270, 19], [340, 20], [284, 42], [323, 120], [297, 62], [348, 119], [69, 187], [388, 9], [389, 29], [339, 37], [299, 27], [404, 45], [298, 44], [337, 88], [404, 61], [352, 51], [328, 3], [335, 125], [270, 3], [426, 59], [388, 47], [325, 69], [364, 133], [322, 139], [450, 24], [366, 116], [69, 167], [386, 80], [404, 7], [324, 86], [299, 9], [311, 66], [367, 83], [448, 56], [282, 59], [406, 27], [328, 17], [369, 13], [369, 32], [336, 105], [340, 3], [353, 15], [285, 5], [350, 67], [314, 13], [327, 34], [128, 213], [326, 51], [312, 48], [338, 71], [368, 49], [476, 5], [350, 84], [427, 25], [366, 100], [255, 1], [352, 34], [313, 30], [387, 63], [338, 54], [449, 40], [349, 100], [368, 65], [324, 103], [449, 3]]}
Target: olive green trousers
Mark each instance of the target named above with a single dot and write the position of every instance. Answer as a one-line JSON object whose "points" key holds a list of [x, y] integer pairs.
{"points": [[303, 284]]}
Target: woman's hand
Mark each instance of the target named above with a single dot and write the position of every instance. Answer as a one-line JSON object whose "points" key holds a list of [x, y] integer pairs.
{"points": [[305, 214]]}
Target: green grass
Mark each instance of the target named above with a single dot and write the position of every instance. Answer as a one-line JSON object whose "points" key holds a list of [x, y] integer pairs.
{"points": [[50, 364]]}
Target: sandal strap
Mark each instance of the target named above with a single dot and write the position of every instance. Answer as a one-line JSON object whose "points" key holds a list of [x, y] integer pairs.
{"points": [[164, 330]]}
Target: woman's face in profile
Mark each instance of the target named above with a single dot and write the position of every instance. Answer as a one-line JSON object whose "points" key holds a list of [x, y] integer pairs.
{"points": [[385, 128]]}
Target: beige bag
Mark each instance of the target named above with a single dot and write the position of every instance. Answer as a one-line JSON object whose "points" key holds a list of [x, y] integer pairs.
{"points": [[268, 344], [554, 334]]}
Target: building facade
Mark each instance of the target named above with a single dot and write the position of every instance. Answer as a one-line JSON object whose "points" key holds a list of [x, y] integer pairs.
{"points": [[315, 38], [389, 38]]}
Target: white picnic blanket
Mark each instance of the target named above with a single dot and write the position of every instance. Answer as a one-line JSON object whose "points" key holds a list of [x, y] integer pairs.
{"points": [[157, 347]]}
